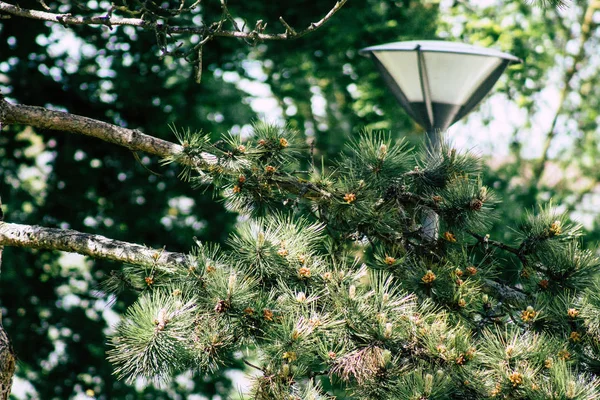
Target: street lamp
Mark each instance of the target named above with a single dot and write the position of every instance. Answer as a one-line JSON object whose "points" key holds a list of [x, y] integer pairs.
{"points": [[437, 83]]}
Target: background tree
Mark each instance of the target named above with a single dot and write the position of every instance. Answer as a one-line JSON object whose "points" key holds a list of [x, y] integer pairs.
{"points": [[553, 131]]}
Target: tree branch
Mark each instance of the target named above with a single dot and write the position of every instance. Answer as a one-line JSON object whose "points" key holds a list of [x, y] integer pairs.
{"points": [[68, 19], [135, 140], [506, 293], [131, 139], [95, 246], [161, 24], [486, 241], [44, 118]]}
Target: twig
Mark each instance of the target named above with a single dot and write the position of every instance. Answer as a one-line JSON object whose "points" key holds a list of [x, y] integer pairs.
{"points": [[248, 363], [520, 253], [228, 17], [44, 5], [199, 64], [288, 28], [500, 245]]}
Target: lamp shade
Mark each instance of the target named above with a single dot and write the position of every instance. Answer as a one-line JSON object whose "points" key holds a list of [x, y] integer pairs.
{"points": [[438, 82]]}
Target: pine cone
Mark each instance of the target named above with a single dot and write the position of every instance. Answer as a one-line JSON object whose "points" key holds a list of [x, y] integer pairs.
{"points": [[476, 204], [221, 306]]}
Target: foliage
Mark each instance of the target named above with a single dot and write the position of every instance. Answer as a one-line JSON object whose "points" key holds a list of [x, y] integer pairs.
{"points": [[356, 293]]}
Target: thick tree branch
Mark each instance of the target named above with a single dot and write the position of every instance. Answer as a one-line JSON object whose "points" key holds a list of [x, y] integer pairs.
{"points": [[44, 118], [95, 246], [131, 139]]}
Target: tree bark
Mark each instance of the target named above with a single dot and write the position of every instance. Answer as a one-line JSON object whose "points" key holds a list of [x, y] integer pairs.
{"points": [[7, 364], [7, 355], [95, 246], [44, 118]]}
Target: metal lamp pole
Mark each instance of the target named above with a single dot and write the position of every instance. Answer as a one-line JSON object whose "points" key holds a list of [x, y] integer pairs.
{"points": [[431, 221]]}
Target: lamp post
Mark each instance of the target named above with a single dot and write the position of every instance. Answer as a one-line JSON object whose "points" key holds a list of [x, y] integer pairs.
{"points": [[437, 83]]}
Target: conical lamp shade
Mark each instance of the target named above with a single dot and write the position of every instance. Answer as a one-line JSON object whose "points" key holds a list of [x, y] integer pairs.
{"points": [[438, 82]]}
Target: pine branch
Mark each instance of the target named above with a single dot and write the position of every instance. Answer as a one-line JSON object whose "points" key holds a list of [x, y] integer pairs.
{"points": [[507, 293], [486, 241], [132, 139], [136, 140], [95, 246]]}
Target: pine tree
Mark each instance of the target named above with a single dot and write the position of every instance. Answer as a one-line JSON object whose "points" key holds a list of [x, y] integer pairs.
{"points": [[329, 280]]}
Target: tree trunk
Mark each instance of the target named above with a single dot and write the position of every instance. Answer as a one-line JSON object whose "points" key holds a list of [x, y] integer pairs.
{"points": [[7, 355], [7, 364]]}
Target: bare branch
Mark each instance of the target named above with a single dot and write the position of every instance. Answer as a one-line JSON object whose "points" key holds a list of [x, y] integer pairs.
{"points": [[164, 26], [44, 118], [288, 28], [95, 246], [111, 20], [68, 19], [248, 363]]}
